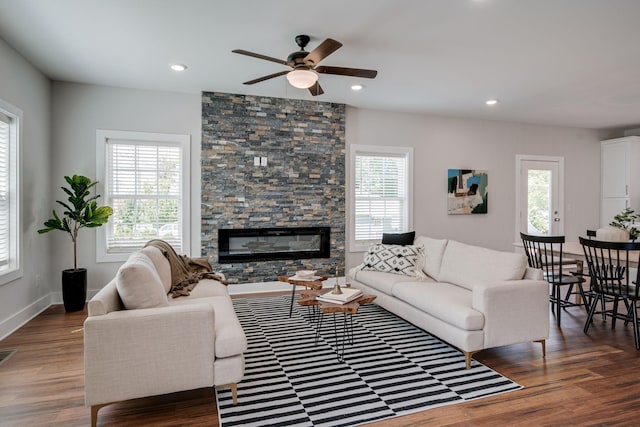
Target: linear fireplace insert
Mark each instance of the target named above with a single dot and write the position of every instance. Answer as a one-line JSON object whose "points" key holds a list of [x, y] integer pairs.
{"points": [[265, 244]]}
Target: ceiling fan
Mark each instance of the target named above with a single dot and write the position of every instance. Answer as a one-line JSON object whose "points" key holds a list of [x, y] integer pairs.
{"points": [[305, 70]]}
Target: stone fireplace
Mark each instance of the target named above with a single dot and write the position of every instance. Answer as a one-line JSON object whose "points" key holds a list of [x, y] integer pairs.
{"points": [[271, 163]]}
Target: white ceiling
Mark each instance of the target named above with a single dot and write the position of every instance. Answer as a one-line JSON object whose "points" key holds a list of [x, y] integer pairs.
{"points": [[555, 62]]}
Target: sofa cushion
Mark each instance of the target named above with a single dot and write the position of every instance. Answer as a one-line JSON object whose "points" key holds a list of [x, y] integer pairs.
{"points": [[163, 268], [467, 265], [138, 283], [383, 282], [396, 259], [433, 252], [205, 288], [398, 238], [447, 302]]}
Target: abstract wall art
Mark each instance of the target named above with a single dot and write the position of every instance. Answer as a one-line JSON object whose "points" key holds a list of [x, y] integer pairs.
{"points": [[467, 192]]}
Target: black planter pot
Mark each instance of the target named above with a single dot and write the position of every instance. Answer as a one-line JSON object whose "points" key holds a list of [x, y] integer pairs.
{"points": [[74, 289]]}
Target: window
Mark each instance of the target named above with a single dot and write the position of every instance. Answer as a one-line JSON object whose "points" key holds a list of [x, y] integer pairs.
{"points": [[381, 185], [144, 177], [10, 195]]}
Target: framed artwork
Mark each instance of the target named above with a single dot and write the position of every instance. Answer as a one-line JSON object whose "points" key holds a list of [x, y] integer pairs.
{"points": [[467, 192]]}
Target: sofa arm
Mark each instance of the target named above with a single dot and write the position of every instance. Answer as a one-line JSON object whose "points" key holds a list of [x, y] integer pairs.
{"points": [[136, 353], [514, 311]]}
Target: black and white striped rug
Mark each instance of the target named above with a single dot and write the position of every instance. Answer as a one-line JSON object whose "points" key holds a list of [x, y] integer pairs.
{"points": [[393, 368]]}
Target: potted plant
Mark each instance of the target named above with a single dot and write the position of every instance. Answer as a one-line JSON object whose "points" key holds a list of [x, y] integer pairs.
{"points": [[625, 220], [80, 211]]}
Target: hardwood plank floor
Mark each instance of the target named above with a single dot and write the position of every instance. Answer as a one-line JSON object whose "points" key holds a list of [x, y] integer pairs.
{"points": [[585, 380]]}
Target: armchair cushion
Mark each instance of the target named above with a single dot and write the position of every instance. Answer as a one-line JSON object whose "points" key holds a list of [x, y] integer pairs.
{"points": [[138, 283]]}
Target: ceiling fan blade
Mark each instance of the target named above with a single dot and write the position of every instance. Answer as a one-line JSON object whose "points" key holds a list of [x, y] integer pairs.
{"points": [[259, 56], [325, 49], [316, 89], [341, 71], [270, 76]]}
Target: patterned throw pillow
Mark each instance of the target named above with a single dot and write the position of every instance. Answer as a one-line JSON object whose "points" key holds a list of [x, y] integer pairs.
{"points": [[395, 259]]}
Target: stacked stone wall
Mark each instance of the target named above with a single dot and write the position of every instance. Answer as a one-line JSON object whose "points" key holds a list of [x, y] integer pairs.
{"points": [[302, 185]]}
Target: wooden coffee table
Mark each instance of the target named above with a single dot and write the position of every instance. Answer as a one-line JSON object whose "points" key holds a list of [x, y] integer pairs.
{"points": [[309, 284], [320, 308]]}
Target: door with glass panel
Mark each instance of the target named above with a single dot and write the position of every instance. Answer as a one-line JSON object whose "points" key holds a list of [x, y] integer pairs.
{"points": [[539, 210]]}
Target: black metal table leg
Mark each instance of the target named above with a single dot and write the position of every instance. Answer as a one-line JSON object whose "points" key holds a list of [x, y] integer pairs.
{"points": [[293, 295]]}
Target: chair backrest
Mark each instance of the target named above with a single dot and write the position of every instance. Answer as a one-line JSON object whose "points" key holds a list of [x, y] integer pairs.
{"points": [[544, 252], [613, 266]]}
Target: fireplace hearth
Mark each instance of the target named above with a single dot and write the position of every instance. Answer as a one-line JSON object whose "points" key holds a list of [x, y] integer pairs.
{"points": [[267, 244]]}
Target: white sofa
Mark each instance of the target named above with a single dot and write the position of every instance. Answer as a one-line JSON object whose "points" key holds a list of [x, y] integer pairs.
{"points": [[472, 297], [138, 342]]}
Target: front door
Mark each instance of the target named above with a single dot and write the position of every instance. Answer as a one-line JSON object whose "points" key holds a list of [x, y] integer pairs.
{"points": [[539, 195]]}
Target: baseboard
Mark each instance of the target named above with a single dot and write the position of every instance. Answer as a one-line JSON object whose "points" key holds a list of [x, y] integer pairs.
{"points": [[56, 297], [17, 320], [13, 323], [264, 287]]}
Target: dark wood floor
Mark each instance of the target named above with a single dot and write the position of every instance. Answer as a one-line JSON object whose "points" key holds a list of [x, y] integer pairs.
{"points": [[589, 380]]}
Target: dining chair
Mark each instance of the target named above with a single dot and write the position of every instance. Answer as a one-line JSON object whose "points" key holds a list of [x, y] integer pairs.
{"points": [[545, 253], [614, 272]]}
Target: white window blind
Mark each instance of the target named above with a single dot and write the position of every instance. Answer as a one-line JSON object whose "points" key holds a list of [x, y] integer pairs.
{"points": [[5, 123], [10, 236], [144, 188], [144, 177], [381, 188]]}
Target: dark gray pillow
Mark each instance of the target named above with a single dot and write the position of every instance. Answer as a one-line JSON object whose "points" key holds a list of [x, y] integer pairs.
{"points": [[398, 238]]}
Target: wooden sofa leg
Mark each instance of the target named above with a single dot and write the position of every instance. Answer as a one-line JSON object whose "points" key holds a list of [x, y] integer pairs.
{"points": [[234, 391], [467, 358], [544, 347], [94, 413]]}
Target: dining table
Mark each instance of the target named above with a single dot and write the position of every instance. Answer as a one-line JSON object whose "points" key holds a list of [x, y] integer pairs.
{"points": [[574, 250]]}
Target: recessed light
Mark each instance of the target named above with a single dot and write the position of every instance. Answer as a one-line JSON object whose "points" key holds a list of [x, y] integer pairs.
{"points": [[492, 101], [178, 67], [357, 87]]}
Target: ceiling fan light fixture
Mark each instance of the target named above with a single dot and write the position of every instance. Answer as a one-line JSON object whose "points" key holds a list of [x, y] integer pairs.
{"points": [[302, 79], [357, 87]]}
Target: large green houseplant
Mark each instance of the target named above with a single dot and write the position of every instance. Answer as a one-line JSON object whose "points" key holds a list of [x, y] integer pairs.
{"points": [[81, 211]]}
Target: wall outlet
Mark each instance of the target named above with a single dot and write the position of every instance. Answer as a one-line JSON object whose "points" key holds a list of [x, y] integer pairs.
{"points": [[263, 161], [256, 161]]}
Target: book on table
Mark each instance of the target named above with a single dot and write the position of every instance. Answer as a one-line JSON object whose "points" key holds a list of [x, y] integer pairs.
{"points": [[347, 295]]}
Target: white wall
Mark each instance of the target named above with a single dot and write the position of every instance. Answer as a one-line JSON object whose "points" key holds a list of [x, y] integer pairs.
{"points": [[442, 143], [27, 89], [77, 111], [59, 139]]}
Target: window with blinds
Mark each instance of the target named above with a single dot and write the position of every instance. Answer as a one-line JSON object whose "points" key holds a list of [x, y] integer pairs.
{"points": [[381, 189], [144, 183], [5, 122], [10, 266]]}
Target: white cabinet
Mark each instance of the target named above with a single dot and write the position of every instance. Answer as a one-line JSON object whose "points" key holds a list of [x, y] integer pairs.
{"points": [[620, 177]]}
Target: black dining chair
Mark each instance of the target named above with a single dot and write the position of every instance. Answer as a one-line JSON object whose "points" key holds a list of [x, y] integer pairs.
{"points": [[613, 269], [545, 253]]}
